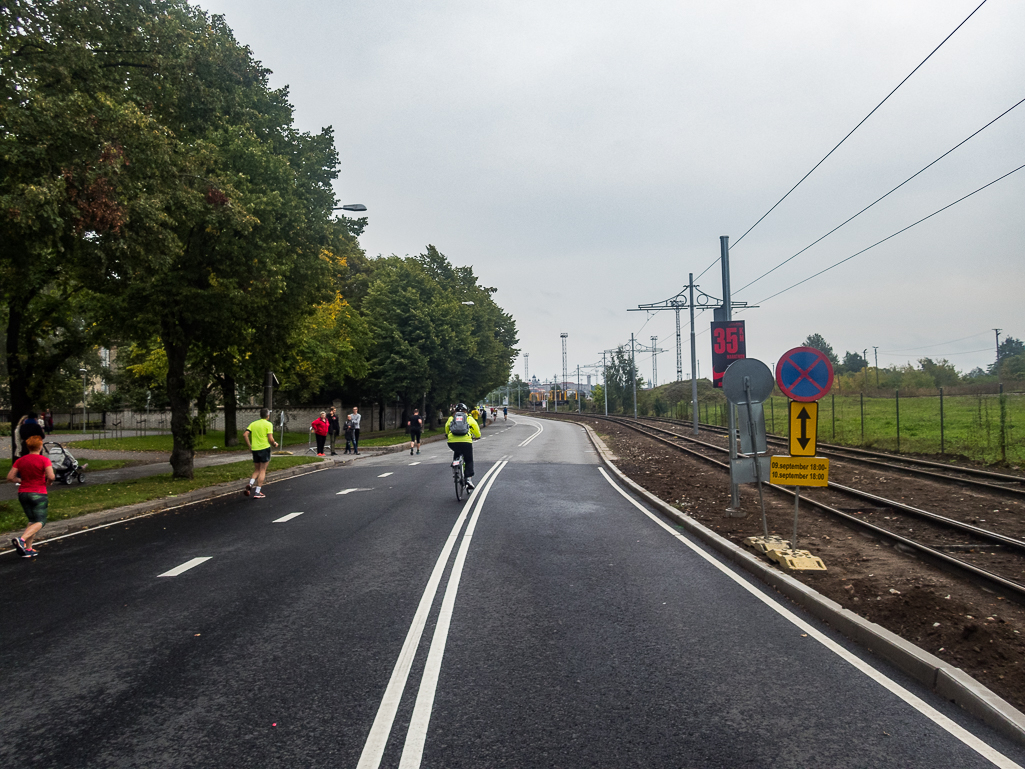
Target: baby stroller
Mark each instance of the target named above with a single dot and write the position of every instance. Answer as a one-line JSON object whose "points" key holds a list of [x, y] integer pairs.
{"points": [[65, 466]]}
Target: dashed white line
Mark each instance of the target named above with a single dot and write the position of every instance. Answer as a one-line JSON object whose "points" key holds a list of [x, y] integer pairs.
{"points": [[184, 567], [385, 475], [413, 464], [288, 517]]}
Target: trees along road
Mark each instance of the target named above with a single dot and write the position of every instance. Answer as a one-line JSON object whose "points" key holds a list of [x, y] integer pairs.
{"points": [[362, 617]]}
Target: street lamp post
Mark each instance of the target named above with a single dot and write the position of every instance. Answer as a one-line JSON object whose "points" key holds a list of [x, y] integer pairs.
{"points": [[83, 371]]}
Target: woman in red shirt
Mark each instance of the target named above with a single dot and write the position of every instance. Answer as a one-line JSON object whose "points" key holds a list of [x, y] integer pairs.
{"points": [[320, 427], [33, 471]]}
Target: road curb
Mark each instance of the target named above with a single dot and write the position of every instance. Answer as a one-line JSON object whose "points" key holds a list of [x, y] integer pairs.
{"points": [[949, 682]]}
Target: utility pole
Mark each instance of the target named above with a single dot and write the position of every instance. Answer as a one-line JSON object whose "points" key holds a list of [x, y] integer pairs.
{"points": [[633, 373], [997, 369], [865, 356], [578, 388], [563, 336], [724, 251], [654, 362], [693, 355], [876, 349], [677, 303], [526, 368], [604, 383]]}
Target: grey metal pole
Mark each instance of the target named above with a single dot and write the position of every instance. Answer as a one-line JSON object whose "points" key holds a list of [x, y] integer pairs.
{"points": [[633, 372], [679, 348], [578, 388], [83, 401], [731, 422], [654, 361], [876, 349], [605, 383], [693, 356]]}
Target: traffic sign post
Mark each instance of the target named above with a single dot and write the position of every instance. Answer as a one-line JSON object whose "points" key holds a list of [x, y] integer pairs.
{"points": [[804, 429], [746, 383], [804, 375]]}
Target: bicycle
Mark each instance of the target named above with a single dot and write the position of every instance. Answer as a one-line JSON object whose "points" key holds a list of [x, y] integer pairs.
{"points": [[459, 476]]}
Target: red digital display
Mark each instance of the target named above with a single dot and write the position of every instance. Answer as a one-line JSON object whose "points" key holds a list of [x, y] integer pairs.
{"points": [[728, 345]]}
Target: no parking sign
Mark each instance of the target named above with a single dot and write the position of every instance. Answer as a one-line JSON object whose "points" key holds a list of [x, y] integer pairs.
{"points": [[804, 374]]}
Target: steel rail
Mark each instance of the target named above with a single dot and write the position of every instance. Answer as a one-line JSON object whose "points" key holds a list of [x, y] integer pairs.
{"points": [[842, 452], [985, 579]]}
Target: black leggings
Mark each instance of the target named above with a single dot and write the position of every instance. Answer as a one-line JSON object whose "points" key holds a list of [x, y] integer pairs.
{"points": [[320, 443], [464, 450]]}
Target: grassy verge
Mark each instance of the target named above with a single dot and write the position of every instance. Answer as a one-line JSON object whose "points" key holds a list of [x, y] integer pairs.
{"points": [[208, 442], [73, 501], [94, 464]]}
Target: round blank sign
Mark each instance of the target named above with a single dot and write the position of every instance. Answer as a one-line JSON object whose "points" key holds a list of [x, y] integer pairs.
{"points": [[757, 373]]}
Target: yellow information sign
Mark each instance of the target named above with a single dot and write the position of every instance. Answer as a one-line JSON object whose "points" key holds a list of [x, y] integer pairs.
{"points": [[804, 428], [799, 471]]}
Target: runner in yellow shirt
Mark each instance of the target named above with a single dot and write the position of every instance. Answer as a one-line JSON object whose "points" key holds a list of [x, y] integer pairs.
{"points": [[259, 438]]}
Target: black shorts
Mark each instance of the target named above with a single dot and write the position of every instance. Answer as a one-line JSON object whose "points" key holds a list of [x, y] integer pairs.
{"points": [[415, 436], [263, 455], [34, 505]]}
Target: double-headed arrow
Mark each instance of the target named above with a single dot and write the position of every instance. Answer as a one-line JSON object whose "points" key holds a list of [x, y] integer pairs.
{"points": [[804, 417]]}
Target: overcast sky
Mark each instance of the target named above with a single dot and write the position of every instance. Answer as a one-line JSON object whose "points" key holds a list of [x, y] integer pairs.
{"points": [[585, 157]]}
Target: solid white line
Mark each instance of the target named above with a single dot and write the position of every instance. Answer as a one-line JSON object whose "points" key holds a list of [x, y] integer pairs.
{"points": [[413, 750], [913, 700], [385, 475], [184, 567], [288, 517], [540, 429], [373, 750]]}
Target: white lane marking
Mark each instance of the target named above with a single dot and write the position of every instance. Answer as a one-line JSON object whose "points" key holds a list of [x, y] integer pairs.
{"points": [[184, 567], [349, 491], [373, 750], [385, 475], [540, 429], [288, 517], [913, 700], [413, 750], [413, 464]]}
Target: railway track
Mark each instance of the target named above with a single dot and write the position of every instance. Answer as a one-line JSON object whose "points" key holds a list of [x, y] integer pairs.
{"points": [[994, 561], [1004, 484]]}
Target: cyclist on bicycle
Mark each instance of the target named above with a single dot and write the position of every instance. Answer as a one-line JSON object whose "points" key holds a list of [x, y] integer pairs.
{"points": [[460, 430]]}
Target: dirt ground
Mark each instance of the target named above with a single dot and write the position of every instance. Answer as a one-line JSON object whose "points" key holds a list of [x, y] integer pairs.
{"points": [[979, 632]]}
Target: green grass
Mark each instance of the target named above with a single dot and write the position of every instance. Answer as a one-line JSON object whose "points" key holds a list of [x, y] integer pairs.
{"points": [[971, 424], [72, 501], [209, 442], [94, 464], [214, 442]]}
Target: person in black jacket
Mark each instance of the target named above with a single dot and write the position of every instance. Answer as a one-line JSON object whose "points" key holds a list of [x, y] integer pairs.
{"points": [[416, 427], [334, 428]]}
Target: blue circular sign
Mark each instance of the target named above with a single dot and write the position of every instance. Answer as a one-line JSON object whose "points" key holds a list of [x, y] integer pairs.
{"points": [[804, 374]]}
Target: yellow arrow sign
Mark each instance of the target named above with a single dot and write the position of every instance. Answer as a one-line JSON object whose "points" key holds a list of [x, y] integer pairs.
{"points": [[804, 429]]}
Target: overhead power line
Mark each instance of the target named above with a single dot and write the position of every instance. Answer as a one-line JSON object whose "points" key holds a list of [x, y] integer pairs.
{"points": [[880, 104], [938, 344], [877, 200], [888, 237]]}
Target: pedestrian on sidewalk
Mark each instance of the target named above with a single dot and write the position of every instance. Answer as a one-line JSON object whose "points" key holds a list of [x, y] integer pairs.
{"points": [[32, 471], [355, 417], [334, 428], [320, 426], [348, 434], [416, 426], [259, 438], [48, 422]]}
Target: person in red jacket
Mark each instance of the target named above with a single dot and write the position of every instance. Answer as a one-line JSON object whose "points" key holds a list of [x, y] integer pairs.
{"points": [[33, 471], [320, 427]]}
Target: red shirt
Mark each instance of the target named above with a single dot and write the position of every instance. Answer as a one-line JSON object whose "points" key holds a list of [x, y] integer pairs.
{"points": [[320, 426], [32, 470]]}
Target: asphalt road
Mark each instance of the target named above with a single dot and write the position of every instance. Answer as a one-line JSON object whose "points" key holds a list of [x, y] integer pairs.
{"points": [[360, 616]]}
